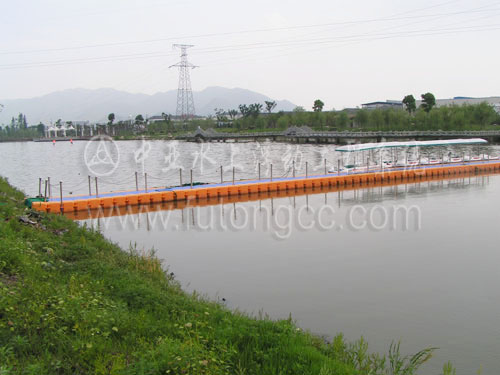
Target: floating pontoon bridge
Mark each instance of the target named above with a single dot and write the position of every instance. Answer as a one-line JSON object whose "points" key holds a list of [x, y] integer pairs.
{"points": [[410, 170]]}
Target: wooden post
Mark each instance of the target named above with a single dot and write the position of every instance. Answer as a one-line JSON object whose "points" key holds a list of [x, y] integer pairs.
{"points": [[306, 169], [180, 176], [271, 172], [60, 194], [338, 167], [221, 175], [50, 190], [293, 168], [259, 171], [96, 188], [146, 181], [325, 168], [233, 175], [191, 173], [45, 199], [136, 182], [90, 188], [40, 187], [367, 164]]}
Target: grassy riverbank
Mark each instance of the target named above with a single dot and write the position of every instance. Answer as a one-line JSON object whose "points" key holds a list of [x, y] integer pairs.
{"points": [[71, 302]]}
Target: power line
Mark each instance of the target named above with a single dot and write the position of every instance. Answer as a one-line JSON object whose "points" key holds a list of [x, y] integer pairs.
{"points": [[257, 45], [340, 23]]}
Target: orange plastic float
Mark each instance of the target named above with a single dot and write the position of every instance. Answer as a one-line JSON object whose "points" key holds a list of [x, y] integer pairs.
{"points": [[244, 188]]}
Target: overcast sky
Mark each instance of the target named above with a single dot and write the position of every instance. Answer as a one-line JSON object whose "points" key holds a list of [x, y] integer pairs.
{"points": [[343, 52]]}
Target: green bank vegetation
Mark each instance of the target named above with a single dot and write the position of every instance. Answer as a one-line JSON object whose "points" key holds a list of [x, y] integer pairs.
{"points": [[425, 118], [72, 302], [259, 117], [20, 129]]}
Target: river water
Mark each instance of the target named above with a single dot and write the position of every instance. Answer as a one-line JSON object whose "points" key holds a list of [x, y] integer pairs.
{"points": [[415, 262]]}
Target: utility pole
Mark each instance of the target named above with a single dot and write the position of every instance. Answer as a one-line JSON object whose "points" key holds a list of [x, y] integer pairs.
{"points": [[185, 103]]}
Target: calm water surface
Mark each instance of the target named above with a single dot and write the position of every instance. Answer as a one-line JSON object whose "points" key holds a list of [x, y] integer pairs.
{"points": [[433, 283]]}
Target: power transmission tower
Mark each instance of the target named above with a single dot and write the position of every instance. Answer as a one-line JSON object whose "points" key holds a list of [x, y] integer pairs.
{"points": [[185, 103]]}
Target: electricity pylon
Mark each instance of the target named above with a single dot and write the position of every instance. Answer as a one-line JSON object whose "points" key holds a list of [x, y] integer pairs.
{"points": [[185, 103]]}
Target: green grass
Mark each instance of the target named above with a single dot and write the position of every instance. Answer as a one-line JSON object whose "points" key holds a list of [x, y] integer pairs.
{"points": [[72, 302]]}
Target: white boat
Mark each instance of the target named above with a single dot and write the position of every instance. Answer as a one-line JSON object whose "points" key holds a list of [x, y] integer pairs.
{"points": [[409, 162]]}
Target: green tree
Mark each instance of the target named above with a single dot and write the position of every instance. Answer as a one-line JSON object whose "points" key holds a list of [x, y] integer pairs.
{"points": [[362, 117], [139, 119], [270, 105], [410, 103], [343, 119], [168, 120], [318, 105], [255, 109], [221, 115], [244, 110], [232, 114], [299, 109], [21, 121], [111, 118], [40, 128], [428, 101]]}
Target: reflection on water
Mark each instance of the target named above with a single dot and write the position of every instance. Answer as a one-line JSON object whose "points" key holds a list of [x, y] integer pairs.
{"points": [[426, 275], [416, 262], [277, 211]]}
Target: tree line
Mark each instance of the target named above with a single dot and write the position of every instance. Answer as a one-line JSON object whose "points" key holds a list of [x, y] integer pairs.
{"points": [[19, 128], [261, 117]]}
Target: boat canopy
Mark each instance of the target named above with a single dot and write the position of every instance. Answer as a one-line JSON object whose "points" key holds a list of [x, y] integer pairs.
{"points": [[380, 145]]}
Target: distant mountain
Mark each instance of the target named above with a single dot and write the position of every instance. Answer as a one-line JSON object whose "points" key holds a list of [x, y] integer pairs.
{"points": [[95, 105]]}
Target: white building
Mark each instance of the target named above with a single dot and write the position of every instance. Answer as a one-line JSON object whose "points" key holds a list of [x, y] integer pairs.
{"points": [[397, 104], [494, 101]]}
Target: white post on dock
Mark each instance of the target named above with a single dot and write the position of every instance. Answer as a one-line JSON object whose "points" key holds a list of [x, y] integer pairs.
{"points": [[96, 188], [60, 193], [90, 188], [136, 182], [191, 173], [146, 181], [221, 175], [180, 176], [233, 175], [39, 186]]}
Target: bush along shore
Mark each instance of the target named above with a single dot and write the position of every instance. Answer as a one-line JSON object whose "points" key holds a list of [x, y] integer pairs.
{"points": [[71, 302]]}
